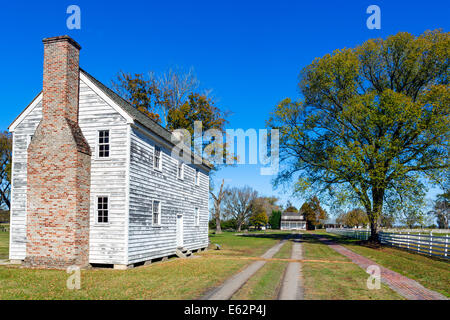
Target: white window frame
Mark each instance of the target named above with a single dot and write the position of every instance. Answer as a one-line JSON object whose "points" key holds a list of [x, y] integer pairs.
{"points": [[159, 168], [158, 224], [97, 153], [197, 216], [97, 197], [197, 177], [180, 173]]}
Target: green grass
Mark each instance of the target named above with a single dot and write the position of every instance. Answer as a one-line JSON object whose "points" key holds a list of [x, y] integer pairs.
{"points": [[334, 280], [265, 284], [432, 273], [4, 245], [174, 279], [249, 245]]}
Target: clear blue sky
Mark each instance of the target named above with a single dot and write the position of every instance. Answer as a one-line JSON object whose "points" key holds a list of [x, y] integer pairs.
{"points": [[249, 52]]}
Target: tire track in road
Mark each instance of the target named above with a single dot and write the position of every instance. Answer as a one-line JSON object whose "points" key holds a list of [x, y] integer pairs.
{"points": [[292, 283]]}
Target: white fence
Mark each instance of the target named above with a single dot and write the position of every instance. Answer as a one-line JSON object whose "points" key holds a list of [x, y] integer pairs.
{"points": [[429, 244]]}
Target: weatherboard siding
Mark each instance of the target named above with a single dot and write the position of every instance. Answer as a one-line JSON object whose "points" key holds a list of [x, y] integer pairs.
{"points": [[107, 243], [177, 196]]}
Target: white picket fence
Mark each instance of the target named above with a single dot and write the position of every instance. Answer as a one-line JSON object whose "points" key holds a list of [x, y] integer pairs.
{"points": [[429, 244]]}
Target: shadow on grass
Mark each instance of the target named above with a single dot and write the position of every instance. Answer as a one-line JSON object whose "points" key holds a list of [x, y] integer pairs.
{"points": [[275, 236]]}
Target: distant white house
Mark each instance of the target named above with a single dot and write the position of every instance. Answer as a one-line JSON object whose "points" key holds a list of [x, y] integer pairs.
{"points": [[293, 221]]}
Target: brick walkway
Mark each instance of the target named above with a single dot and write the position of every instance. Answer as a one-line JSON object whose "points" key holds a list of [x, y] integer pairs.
{"points": [[408, 288]]}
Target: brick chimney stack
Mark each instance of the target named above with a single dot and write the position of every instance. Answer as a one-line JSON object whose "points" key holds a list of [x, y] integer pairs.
{"points": [[58, 167]]}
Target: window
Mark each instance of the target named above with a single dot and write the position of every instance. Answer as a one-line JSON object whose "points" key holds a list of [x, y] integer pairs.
{"points": [[156, 213], [180, 171], [197, 177], [102, 209], [157, 163], [29, 138], [197, 217], [103, 144]]}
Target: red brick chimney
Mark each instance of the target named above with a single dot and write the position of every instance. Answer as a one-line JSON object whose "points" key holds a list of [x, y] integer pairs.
{"points": [[58, 167]]}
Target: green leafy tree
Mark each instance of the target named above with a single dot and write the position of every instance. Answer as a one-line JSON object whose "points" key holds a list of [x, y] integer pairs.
{"points": [[259, 218], [313, 213], [5, 169], [441, 210], [373, 125], [353, 218], [290, 207], [142, 93], [197, 108], [412, 218], [275, 219], [309, 214]]}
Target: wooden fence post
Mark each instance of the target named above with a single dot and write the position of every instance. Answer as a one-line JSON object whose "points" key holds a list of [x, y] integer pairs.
{"points": [[431, 241], [418, 244], [446, 243], [407, 240]]}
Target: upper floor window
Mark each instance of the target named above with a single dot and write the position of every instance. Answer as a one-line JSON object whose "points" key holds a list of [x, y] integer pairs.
{"points": [[103, 144], [197, 177], [197, 216], [156, 213], [157, 159], [180, 171], [102, 209]]}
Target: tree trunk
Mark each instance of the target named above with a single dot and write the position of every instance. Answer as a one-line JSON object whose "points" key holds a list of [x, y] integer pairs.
{"points": [[377, 207], [5, 200], [218, 227], [373, 230]]}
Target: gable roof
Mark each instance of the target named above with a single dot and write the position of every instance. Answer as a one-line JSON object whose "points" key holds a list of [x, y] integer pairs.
{"points": [[126, 109]]}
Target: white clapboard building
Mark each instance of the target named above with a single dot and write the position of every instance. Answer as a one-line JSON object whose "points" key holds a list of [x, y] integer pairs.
{"points": [[293, 221], [145, 202]]}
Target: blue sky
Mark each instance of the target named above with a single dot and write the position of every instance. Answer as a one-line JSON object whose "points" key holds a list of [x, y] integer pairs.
{"points": [[249, 52]]}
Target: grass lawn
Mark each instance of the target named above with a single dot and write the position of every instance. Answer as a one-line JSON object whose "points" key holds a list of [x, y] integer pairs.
{"points": [[432, 273], [336, 281], [174, 279], [265, 284], [4, 245], [238, 244]]}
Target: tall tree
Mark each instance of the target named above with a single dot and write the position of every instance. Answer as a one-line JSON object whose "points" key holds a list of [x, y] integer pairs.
{"points": [[142, 93], [5, 169], [441, 210], [411, 218], [313, 213], [238, 204], [172, 99], [258, 216], [275, 219], [320, 213], [218, 205], [374, 122], [309, 214], [353, 218], [156, 94], [197, 107]]}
